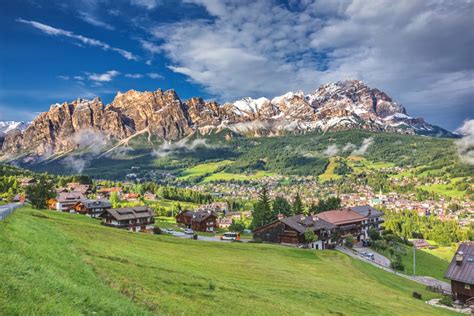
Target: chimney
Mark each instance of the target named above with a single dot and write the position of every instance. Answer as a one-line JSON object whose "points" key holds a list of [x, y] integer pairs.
{"points": [[459, 258], [315, 218], [280, 216]]}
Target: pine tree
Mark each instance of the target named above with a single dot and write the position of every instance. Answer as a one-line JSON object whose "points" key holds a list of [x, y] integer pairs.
{"points": [[262, 212], [297, 206], [280, 206]]}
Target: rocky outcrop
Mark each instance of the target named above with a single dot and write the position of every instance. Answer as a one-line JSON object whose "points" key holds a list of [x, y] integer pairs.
{"points": [[334, 106]]}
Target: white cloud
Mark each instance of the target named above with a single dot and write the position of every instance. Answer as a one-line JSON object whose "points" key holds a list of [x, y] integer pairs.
{"points": [[366, 143], [91, 19], [134, 76], [154, 75], [49, 30], [417, 51], [168, 148], [332, 150], [105, 77], [465, 145], [150, 47], [63, 77], [80, 78], [147, 4]]}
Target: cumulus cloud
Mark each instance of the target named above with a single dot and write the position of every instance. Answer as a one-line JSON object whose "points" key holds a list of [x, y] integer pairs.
{"points": [[366, 143], [465, 145], [49, 30], [104, 77], [415, 50], [167, 148]]}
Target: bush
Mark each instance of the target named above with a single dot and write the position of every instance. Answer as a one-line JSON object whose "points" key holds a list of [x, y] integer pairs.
{"points": [[396, 263], [446, 300], [417, 295], [256, 241], [380, 245], [156, 230], [212, 286], [349, 241]]}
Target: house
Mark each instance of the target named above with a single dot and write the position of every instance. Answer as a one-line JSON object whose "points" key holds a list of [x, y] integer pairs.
{"points": [[347, 222], [92, 208], [77, 187], [374, 218], [216, 207], [461, 273], [185, 218], [420, 243], [24, 182], [131, 196], [106, 192], [65, 201], [136, 219], [224, 222], [290, 230], [204, 221], [149, 196]]}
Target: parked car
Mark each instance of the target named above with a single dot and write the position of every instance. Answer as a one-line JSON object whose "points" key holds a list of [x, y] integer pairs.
{"points": [[168, 230], [188, 231], [230, 236]]}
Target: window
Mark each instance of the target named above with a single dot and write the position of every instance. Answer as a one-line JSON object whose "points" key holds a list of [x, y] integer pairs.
{"points": [[467, 286]]}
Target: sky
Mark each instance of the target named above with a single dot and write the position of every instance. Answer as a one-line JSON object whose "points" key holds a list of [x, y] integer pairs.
{"points": [[421, 53]]}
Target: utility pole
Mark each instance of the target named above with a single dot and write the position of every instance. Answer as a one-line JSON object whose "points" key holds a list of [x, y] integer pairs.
{"points": [[414, 260]]}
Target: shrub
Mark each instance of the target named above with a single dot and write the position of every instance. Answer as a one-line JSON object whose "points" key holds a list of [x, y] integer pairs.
{"points": [[446, 300], [156, 230], [417, 295], [349, 241], [212, 286]]}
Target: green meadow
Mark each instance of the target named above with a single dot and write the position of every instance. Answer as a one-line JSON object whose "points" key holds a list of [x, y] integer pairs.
{"points": [[58, 263]]}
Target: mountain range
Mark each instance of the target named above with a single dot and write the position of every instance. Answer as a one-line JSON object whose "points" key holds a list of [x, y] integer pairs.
{"points": [[344, 105]]}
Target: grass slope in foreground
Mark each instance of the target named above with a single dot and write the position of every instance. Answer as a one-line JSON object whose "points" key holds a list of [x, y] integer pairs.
{"points": [[57, 263]]}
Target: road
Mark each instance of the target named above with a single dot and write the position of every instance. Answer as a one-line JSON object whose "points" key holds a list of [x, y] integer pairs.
{"points": [[425, 280], [378, 258], [203, 238]]}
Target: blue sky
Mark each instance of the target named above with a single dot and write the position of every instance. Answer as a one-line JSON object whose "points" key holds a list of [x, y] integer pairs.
{"points": [[419, 52]]}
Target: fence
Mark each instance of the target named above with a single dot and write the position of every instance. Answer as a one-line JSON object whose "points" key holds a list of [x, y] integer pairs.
{"points": [[6, 210]]}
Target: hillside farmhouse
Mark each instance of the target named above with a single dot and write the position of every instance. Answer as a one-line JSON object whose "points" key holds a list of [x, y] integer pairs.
{"points": [[136, 219], [461, 273], [201, 220], [92, 208]]}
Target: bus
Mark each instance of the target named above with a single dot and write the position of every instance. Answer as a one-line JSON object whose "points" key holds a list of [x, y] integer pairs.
{"points": [[231, 236]]}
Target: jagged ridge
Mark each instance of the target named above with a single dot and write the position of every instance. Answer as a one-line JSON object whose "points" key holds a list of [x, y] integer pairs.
{"points": [[334, 106]]}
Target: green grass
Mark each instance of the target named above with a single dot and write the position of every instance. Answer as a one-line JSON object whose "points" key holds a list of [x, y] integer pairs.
{"points": [[58, 263], [445, 253], [443, 189], [203, 169], [225, 176], [329, 172], [427, 264]]}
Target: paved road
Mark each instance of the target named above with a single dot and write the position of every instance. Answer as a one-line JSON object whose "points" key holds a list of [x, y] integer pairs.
{"points": [[204, 238], [425, 280], [378, 258]]}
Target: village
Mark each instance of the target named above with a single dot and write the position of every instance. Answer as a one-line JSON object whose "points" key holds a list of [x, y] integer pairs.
{"points": [[355, 225]]}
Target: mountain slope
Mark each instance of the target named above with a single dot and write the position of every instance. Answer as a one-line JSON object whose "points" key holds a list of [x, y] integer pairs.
{"points": [[105, 270], [343, 105]]}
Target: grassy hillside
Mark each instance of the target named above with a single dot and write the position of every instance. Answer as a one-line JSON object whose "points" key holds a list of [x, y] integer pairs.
{"points": [[57, 263], [427, 264]]}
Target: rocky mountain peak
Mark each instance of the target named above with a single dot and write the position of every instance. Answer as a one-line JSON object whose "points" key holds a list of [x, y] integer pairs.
{"points": [[333, 106]]}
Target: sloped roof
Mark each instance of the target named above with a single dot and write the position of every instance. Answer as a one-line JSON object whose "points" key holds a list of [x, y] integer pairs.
{"points": [[341, 216], [96, 203], [70, 197], [127, 213], [367, 211], [465, 271], [300, 223]]}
